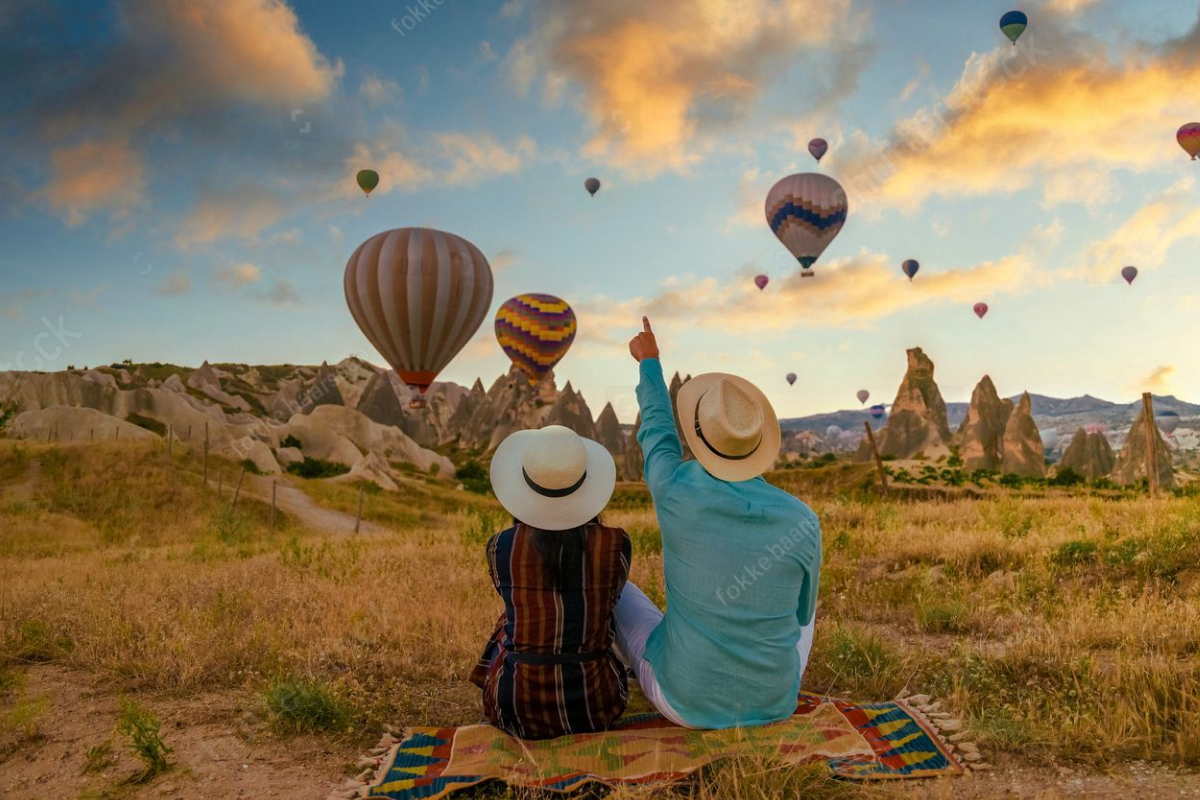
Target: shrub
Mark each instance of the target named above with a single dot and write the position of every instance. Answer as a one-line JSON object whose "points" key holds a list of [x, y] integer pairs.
{"points": [[305, 706], [312, 468], [145, 740], [1067, 477], [291, 441], [149, 423], [1075, 553], [474, 477], [251, 467]]}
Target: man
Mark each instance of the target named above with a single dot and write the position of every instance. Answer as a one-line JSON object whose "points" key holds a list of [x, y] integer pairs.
{"points": [[741, 558]]}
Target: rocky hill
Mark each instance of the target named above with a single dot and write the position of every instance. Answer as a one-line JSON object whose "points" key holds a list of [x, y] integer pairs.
{"points": [[1089, 455], [916, 424]]}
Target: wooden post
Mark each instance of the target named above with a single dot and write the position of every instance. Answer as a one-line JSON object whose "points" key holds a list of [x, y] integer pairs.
{"points": [[883, 481], [274, 491], [237, 491], [206, 454], [117, 435], [170, 441], [358, 517], [1151, 440], [91, 434], [189, 434], [220, 483]]}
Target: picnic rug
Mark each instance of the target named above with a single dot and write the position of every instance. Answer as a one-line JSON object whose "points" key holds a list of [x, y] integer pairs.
{"points": [[903, 738]]}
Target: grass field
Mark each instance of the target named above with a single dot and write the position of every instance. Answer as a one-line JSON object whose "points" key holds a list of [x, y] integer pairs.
{"points": [[1065, 629]]}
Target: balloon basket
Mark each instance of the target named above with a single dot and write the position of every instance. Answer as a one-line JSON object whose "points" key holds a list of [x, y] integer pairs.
{"points": [[418, 402], [806, 273]]}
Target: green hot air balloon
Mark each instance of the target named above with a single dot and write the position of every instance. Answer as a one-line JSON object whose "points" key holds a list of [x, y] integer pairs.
{"points": [[1013, 24], [367, 179]]}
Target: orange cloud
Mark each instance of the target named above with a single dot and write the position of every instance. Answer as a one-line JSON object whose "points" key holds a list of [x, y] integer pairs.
{"points": [[1158, 381], [94, 176], [242, 213]]}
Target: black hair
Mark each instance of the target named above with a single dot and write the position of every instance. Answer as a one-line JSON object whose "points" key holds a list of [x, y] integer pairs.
{"points": [[561, 553]]}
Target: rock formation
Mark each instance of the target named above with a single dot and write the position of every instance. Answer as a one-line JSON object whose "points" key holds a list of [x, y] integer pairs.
{"points": [[379, 402], [980, 439], [635, 461], [323, 391], [1089, 455], [609, 433], [1131, 463], [343, 435], [571, 411], [676, 383], [1023, 451], [917, 422], [72, 424], [206, 381], [514, 404]]}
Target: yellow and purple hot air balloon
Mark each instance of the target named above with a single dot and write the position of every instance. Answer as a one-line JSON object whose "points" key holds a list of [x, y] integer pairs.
{"points": [[1188, 137], [805, 212], [817, 148], [535, 331]]}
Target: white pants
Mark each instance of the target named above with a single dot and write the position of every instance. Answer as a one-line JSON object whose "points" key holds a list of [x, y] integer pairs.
{"points": [[636, 618]]}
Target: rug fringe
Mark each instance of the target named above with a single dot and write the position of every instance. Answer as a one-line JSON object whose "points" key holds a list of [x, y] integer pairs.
{"points": [[375, 764], [947, 727]]}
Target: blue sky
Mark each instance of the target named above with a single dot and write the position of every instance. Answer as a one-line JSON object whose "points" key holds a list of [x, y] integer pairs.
{"points": [[178, 183]]}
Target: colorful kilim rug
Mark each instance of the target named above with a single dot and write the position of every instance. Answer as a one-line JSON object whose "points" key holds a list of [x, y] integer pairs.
{"points": [[856, 740]]}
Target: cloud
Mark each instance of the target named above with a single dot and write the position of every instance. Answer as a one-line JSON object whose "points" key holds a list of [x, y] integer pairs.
{"points": [[657, 78], [486, 53], [95, 176], [1026, 116], [177, 284], [1158, 381], [470, 159], [503, 259], [241, 212], [282, 293], [237, 276], [378, 91]]}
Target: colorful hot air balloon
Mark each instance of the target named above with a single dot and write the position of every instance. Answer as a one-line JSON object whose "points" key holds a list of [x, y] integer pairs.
{"points": [[1188, 137], [981, 310], [910, 268], [878, 411], [1168, 421], [805, 212], [367, 179], [1096, 427], [535, 331], [592, 185], [761, 281], [863, 395], [1013, 24], [817, 148], [419, 295], [791, 379], [1129, 273]]}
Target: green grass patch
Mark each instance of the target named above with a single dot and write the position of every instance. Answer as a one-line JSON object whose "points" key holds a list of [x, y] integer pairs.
{"points": [[306, 706], [144, 733], [315, 468]]}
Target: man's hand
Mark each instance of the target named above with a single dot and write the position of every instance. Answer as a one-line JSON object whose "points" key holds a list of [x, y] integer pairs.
{"points": [[644, 344]]}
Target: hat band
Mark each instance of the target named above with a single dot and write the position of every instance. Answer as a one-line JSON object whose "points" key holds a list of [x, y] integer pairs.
{"points": [[700, 433], [553, 493]]}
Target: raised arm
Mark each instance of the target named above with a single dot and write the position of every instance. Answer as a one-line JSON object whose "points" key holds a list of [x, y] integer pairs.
{"points": [[657, 436]]}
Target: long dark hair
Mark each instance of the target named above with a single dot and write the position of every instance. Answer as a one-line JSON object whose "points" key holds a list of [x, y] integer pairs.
{"points": [[561, 553]]}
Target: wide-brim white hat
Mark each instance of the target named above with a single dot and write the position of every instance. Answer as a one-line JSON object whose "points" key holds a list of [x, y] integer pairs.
{"points": [[553, 478], [738, 437]]}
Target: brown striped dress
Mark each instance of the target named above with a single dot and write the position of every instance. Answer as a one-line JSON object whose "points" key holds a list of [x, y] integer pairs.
{"points": [[549, 668]]}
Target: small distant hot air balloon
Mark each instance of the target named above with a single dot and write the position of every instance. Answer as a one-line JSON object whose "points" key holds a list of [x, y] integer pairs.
{"points": [[761, 281], [791, 379], [910, 268], [1129, 273], [863, 395], [1013, 24], [1049, 439], [878, 411], [818, 148], [1096, 427], [1168, 421], [981, 310], [833, 432], [535, 331], [367, 179], [805, 212], [419, 295], [592, 185], [1188, 137]]}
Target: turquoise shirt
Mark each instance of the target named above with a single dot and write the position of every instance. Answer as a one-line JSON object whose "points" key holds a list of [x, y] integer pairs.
{"points": [[741, 561]]}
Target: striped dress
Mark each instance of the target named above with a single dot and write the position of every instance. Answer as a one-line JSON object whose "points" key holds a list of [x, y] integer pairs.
{"points": [[549, 669]]}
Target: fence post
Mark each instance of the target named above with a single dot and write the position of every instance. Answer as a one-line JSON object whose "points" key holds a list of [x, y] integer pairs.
{"points": [[206, 456], [274, 491], [1151, 441], [237, 491], [883, 481], [358, 517], [170, 441]]}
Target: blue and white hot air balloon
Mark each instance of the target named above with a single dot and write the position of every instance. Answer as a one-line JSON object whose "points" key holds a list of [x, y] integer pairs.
{"points": [[805, 212]]}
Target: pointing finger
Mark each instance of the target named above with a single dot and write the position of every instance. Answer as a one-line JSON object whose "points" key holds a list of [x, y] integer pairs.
{"points": [[646, 325]]}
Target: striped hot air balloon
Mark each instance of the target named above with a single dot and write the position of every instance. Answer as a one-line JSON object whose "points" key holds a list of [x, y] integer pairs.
{"points": [[1188, 137], [878, 412], [805, 212], [535, 331], [418, 295]]}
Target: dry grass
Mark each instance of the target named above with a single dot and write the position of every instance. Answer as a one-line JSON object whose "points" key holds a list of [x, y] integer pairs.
{"points": [[1065, 629]]}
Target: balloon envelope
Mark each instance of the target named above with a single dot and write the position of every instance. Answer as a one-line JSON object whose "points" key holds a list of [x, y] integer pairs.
{"points": [[1188, 137], [367, 179], [1049, 439], [805, 212], [1013, 24], [418, 295], [1129, 273], [592, 185], [791, 379], [818, 148], [910, 267], [981, 310], [878, 411], [832, 432], [761, 281], [1168, 421], [863, 395], [535, 331]]}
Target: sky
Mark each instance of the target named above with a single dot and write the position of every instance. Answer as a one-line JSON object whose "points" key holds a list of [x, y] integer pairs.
{"points": [[177, 183]]}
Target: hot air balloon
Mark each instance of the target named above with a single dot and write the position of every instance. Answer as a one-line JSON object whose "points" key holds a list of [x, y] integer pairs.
{"points": [[878, 411], [1188, 137], [833, 432], [1013, 24], [981, 310], [863, 395], [761, 281], [1129, 273], [1049, 439], [367, 179], [817, 148], [805, 212], [910, 268], [535, 331], [592, 185], [419, 295], [1096, 427], [791, 379], [1168, 421]]}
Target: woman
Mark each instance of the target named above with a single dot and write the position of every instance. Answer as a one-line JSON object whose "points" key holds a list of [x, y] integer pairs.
{"points": [[549, 668]]}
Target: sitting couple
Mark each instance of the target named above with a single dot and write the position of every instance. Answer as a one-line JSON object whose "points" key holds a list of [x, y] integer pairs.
{"points": [[740, 558]]}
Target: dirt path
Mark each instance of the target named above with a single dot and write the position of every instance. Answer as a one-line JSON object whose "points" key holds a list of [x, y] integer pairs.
{"points": [[25, 489], [298, 505]]}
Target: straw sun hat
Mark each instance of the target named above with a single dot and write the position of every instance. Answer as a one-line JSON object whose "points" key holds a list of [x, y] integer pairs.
{"points": [[729, 425], [553, 478]]}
